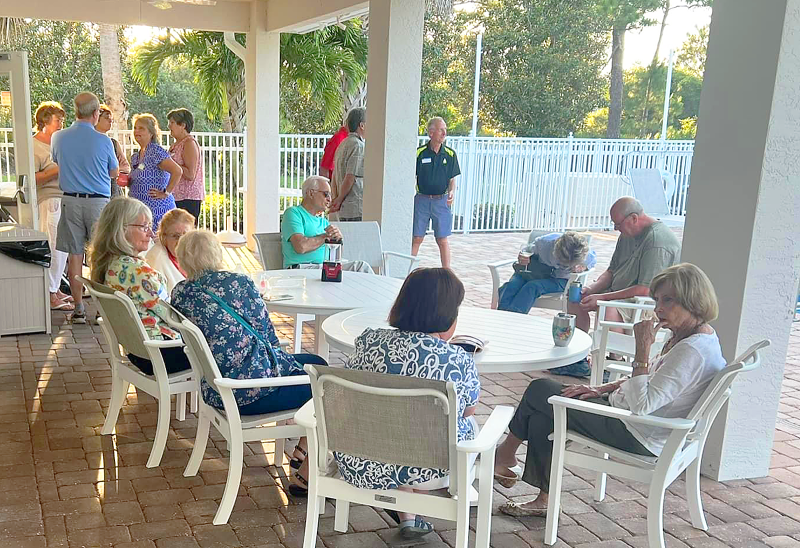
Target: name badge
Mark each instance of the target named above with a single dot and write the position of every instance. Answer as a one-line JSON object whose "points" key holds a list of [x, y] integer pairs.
{"points": [[426, 160], [444, 160], [140, 166]]}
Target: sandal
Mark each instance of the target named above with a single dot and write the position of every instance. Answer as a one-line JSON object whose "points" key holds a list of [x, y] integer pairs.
{"points": [[62, 305], [295, 463], [299, 490], [518, 510], [414, 528], [509, 481]]}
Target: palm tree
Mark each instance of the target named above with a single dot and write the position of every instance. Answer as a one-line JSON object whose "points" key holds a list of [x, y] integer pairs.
{"points": [[319, 62], [10, 27], [113, 92]]}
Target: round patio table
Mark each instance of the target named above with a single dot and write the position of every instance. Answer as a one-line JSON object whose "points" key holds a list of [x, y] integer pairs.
{"points": [[323, 299], [515, 342]]}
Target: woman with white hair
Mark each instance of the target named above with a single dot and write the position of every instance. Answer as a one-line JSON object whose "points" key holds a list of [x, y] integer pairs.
{"points": [[668, 386], [124, 231], [230, 312]]}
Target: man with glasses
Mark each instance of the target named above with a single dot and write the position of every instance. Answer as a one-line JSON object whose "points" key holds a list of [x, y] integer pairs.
{"points": [[646, 247], [304, 229], [86, 163]]}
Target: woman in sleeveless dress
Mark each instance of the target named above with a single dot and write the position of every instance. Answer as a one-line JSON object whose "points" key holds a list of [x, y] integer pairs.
{"points": [[190, 192]]}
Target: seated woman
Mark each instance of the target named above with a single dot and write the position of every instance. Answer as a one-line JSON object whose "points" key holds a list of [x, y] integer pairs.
{"points": [[422, 331], [162, 256], [122, 233], [549, 260], [233, 317], [668, 387]]}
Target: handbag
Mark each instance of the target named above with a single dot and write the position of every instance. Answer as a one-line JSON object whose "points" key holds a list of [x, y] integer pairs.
{"points": [[534, 270], [244, 323]]}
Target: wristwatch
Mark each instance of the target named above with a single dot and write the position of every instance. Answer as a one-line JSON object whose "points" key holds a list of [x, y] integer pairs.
{"points": [[640, 364]]}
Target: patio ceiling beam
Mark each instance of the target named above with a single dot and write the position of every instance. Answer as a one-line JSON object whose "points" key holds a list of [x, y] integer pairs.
{"points": [[301, 16], [224, 16]]}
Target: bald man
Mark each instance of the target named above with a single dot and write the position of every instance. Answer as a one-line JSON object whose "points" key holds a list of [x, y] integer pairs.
{"points": [[646, 246]]}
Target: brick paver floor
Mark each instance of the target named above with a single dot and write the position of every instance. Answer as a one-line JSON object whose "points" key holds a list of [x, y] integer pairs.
{"points": [[62, 484]]}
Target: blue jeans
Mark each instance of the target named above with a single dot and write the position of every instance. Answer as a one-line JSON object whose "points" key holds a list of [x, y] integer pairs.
{"points": [[518, 295], [285, 397]]}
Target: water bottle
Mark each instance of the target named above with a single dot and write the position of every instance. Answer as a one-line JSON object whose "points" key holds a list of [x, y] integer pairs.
{"points": [[575, 292]]}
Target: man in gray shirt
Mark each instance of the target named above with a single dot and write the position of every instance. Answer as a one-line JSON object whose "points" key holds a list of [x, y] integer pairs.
{"points": [[348, 170], [646, 246]]}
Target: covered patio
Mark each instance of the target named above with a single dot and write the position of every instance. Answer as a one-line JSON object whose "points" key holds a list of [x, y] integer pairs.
{"points": [[63, 484], [66, 485]]}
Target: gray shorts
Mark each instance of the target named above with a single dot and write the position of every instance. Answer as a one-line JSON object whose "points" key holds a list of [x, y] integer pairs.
{"points": [[78, 216]]}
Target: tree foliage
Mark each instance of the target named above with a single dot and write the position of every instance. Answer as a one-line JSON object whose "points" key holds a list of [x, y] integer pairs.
{"points": [[542, 63], [692, 55]]}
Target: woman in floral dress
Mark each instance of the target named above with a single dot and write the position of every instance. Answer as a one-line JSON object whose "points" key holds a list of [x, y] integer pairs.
{"points": [[230, 312], [424, 315], [124, 230], [154, 173]]}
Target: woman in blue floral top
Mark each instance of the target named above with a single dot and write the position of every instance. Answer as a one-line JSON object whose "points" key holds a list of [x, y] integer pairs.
{"points": [[123, 231], [209, 298], [424, 315]]}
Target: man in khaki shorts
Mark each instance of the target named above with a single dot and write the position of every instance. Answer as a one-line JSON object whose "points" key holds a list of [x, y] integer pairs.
{"points": [[646, 246], [86, 162]]}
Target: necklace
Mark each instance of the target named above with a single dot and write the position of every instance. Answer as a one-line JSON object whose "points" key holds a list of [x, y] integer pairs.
{"points": [[675, 340]]}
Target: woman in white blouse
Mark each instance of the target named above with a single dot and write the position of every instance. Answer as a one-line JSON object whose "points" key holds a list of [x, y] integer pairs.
{"points": [[161, 256], [668, 387]]}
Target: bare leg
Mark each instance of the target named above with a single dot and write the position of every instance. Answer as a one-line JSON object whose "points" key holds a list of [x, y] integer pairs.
{"points": [[416, 241], [75, 268], [506, 453], [444, 251]]}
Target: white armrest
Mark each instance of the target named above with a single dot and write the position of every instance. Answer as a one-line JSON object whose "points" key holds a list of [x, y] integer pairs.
{"points": [[613, 412], [644, 305], [284, 343], [175, 343], [499, 264], [264, 382], [490, 432], [305, 415], [402, 256]]}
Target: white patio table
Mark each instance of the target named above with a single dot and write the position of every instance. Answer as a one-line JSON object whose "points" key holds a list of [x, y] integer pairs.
{"points": [[516, 342], [323, 299]]}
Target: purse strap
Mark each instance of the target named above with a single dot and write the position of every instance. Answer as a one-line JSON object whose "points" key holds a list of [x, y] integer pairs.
{"points": [[244, 323]]}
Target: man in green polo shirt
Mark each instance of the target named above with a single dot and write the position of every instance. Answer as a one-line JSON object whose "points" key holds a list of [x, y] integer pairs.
{"points": [[437, 169]]}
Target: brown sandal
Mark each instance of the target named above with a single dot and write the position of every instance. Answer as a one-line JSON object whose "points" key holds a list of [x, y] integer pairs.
{"points": [[517, 510], [508, 481]]}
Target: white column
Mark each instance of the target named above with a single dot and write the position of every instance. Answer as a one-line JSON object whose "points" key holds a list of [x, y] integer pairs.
{"points": [[393, 81], [262, 76], [742, 225]]}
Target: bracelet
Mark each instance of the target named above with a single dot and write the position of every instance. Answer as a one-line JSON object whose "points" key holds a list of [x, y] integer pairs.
{"points": [[637, 364]]}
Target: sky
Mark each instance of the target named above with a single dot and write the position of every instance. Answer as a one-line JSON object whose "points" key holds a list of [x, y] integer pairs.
{"points": [[639, 44]]}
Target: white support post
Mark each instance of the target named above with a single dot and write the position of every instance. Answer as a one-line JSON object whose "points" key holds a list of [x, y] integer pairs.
{"points": [[393, 82], [262, 76], [742, 222]]}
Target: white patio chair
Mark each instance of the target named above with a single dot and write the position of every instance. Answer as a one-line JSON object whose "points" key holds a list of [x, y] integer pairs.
{"points": [[551, 301], [271, 256], [605, 341], [235, 428], [683, 450], [402, 420], [362, 242], [648, 188], [122, 326]]}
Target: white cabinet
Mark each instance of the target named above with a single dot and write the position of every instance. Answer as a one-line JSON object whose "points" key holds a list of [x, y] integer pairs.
{"points": [[24, 295]]}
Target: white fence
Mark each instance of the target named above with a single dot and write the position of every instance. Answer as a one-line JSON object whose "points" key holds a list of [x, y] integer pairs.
{"points": [[506, 183]]}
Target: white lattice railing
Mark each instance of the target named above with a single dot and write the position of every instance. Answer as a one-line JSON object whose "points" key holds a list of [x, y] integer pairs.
{"points": [[506, 183]]}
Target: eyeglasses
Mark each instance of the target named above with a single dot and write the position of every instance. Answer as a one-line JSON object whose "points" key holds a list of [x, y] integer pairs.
{"points": [[145, 228], [617, 225], [325, 193]]}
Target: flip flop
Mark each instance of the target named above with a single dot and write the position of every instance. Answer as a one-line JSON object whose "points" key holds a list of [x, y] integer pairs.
{"points": [[63, 306], [517, 510], [415, 528]]}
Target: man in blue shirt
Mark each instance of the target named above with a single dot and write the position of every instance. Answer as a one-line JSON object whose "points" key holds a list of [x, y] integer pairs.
{"points": [[86, 163]]}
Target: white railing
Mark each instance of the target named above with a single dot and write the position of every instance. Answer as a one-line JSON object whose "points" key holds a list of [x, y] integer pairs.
{"points": [[506, 183]]}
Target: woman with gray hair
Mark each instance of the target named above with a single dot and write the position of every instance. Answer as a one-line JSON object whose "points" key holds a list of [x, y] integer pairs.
{"points": [[124, 231], [230, 312], [668, 386]]}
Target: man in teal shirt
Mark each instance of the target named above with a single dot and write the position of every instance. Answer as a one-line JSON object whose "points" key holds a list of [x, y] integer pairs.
{"points": [[304, 229]]}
